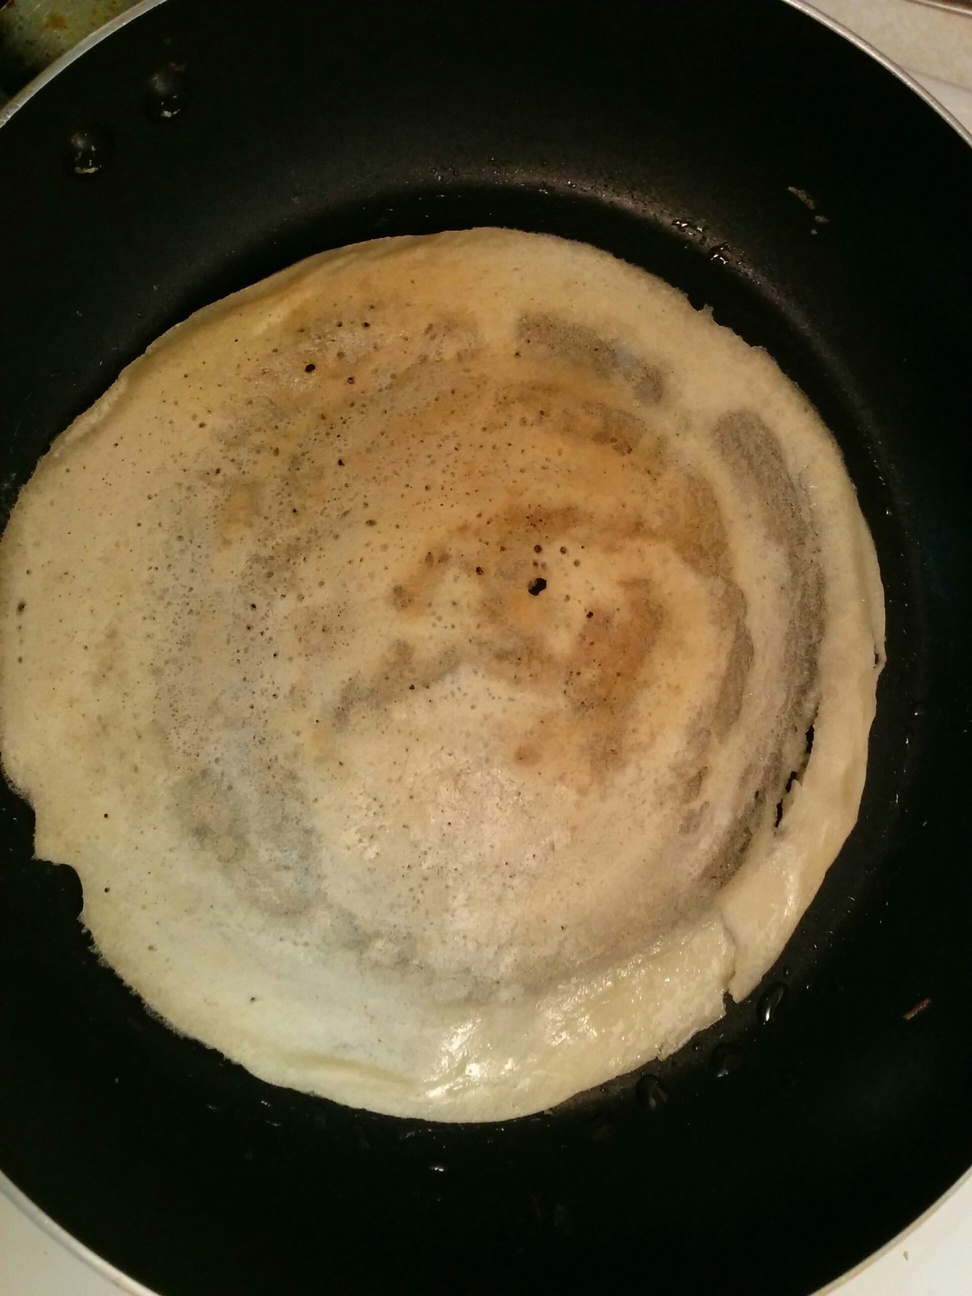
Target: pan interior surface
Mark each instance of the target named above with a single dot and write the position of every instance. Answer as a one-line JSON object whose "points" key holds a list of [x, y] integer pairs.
{"points": [[766, 1156]]}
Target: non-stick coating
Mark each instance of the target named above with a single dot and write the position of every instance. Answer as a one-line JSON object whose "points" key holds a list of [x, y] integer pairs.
{"points": [[674, 135]]}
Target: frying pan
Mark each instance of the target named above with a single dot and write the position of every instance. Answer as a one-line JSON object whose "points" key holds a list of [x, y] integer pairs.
{"points": [[768, 168]]}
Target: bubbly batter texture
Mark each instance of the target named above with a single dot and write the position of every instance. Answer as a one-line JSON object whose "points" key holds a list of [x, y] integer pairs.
{"points": [[412, 653]]}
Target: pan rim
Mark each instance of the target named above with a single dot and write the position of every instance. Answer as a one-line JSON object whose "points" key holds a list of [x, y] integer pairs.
{"points": [[13, 106], [835, 1287], [31, 1211], [8, 1189], [24, 95], [825, 20]]}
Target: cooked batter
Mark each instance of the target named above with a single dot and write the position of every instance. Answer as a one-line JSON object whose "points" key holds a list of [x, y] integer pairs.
{"points": [[416, 656]]}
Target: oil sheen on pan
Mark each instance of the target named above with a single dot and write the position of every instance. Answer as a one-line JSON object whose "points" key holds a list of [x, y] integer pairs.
{"points": [[448, 665]]}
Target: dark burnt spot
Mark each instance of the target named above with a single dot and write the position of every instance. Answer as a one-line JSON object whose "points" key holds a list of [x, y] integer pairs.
{"points": [[692, 819], [21, 606], [537, 586], [215, 816], [617, 430], [309, 368], [694, 785], [579, 346], [649, 386], [735, 678], [581, 419], [398, 673], [735, 845], [753, 452], [575, 344], [796, 773]]}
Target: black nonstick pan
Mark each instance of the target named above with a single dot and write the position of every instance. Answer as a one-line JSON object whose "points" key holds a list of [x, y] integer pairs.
{"points": [[770, 169]]}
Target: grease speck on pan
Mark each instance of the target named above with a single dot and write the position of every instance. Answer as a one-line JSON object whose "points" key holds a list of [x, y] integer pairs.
{"points": [[448, 665]]}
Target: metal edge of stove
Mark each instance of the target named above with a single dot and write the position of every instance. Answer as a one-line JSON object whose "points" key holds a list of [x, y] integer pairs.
{"points": [[808, 8], [7, 1188], [949, 6], [60, 1235], [838, 1285], [82, 47]]}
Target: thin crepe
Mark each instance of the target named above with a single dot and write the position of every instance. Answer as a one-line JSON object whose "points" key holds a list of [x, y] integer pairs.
{"points": [[411, 653]]}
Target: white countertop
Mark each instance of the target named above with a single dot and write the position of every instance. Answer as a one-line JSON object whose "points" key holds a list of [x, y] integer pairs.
{"points": [[934, 1257]]}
